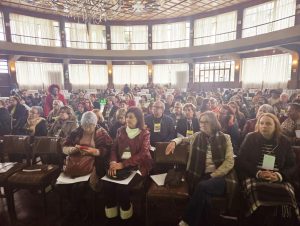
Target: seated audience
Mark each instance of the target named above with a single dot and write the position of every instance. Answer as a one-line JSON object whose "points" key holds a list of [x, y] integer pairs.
{"points": [[188, 125], [119, 122], [161, 126], [18, 114], [101, 123], [36, 125], [131, 150], [54, 113], [53, 94], [292, 123], [64, 124], [210, 161], [5, 120], [266, 165]]}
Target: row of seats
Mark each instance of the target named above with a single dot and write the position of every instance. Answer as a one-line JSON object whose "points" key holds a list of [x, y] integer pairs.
{"points": [[30, 174]]}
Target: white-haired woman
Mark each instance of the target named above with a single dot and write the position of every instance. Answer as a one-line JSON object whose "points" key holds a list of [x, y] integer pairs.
{"points": [[86, 141]]}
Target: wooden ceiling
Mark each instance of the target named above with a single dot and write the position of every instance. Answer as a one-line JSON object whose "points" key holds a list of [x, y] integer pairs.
{"points": [[169, 10]]}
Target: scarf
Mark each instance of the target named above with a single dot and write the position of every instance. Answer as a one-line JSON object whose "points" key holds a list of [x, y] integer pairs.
{"points": [[197, 158], [31, 125], [132, 133]]}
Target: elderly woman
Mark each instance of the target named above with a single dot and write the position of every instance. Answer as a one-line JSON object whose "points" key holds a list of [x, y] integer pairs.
{"points": [[266, 165], [54, 113], [120, 121], [64, 124], [130, 150], [86, 142], [210, 160], [36, 125], [188, 125]]}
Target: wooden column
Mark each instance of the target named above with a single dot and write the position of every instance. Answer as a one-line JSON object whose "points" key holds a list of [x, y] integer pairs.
{"points": [[239, 24], [108, 37], [67, 84], [237, 73], [149, 37], [7, 26], [192, 33], [110, 74], [297, 17], [294, 83], [62, 33], [13, 74], [191, 76]]}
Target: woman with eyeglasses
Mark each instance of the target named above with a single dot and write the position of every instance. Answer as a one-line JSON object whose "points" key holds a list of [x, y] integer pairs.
{"points": [[54, 113], [36, 125], [266, 166], [64, 124], [210, 161]]}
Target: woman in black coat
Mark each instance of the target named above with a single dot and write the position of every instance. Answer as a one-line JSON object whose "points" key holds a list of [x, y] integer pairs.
{"points": [[5, 122], [19, 115], [35, 125]]}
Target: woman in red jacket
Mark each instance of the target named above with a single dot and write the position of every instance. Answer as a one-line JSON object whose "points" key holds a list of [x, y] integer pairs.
{"points": [[130, 150], [53, 94]]}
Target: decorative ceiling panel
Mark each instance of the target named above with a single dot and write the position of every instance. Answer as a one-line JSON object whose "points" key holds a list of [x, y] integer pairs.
{"points": [[167, 9]]}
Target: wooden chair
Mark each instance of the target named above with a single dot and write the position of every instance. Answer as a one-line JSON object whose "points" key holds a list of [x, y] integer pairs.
{"points": [[39, 177], [161, 198]]}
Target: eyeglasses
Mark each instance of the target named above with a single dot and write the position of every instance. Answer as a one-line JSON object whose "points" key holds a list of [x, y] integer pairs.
{"points": [[158, 107], [33, 113], [203, 122]]}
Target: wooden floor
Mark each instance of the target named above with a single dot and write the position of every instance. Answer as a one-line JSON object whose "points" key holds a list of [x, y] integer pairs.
{"points": [[29, 211]]}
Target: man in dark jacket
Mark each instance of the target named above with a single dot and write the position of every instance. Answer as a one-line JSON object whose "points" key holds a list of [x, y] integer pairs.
{"points": [[161, 126], [5, 122]]}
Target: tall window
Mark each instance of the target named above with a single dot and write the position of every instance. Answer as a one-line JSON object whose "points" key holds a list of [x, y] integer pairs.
{"points": [[220, 71], [268, 17], [267, 72], [85, 36], [130, 74], [36, 75], [34, 31], [3, 66], [87, 76], [2, 27], [168, 73], [175, 35], [215, 29], [129, 37]]}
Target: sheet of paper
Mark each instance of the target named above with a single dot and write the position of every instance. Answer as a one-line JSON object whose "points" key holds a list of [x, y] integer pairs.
{"points": [[4, 167], [159, 179], [64, 179], [124, 182], [268, 162]]}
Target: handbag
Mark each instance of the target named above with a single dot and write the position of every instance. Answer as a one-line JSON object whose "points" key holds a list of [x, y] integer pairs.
{"points": [[179, 156], [78, 165], [174, 178], [121, 174]]}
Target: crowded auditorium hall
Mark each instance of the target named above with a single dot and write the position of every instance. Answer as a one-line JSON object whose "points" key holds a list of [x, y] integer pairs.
{"points": [[149, 113]]}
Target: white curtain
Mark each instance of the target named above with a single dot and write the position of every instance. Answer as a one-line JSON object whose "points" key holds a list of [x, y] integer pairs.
{"points": [[34, 31], [129, 37], [266, 72], [2, 29], [97, 36], [88, 76], [167, 36], [130, 74], [77, 35], [167, 73], [215, 29], [3, 66], [259, 19], [36, 75]]}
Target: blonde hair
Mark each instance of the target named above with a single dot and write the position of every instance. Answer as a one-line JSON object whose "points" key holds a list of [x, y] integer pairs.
{"points": [[277, 131]]}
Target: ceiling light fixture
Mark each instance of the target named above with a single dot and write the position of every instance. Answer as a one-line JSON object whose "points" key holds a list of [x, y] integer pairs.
{"points": [[96, 11]]}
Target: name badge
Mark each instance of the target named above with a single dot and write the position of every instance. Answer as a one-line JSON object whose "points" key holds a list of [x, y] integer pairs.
{"points": [[189, 133], [156, 127], [126, 155], [268, 162]]}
